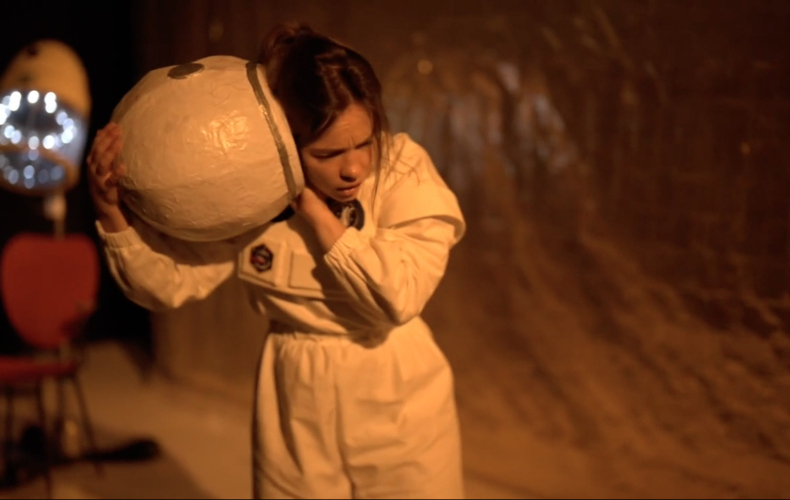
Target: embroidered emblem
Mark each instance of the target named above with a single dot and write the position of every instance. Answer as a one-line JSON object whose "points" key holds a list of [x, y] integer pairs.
{"points": [[351, 214], [261, 258]]}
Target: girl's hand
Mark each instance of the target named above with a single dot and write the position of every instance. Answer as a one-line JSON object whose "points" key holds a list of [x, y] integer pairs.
{"points": [[311, 206], [104, 171]]}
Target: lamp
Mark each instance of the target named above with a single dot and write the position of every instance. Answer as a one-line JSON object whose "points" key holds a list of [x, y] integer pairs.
{"points": [[44, 110]]}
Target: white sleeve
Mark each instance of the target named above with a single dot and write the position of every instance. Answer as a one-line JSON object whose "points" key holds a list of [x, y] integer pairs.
{"points": [[395, 272], [159, 272]]}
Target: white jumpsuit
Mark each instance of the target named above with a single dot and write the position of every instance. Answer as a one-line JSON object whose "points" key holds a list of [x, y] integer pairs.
{"points": [[354, 398]]}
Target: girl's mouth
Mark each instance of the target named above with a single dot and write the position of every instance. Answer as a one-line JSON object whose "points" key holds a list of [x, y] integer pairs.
{"points": [[348, 191]]}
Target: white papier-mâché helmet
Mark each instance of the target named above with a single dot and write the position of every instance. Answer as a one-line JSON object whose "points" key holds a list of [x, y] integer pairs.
{"points": [[208, 151]]}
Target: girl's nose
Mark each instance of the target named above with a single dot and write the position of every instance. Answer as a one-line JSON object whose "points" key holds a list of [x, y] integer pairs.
{"points": [[353, 168], [348, 175]]}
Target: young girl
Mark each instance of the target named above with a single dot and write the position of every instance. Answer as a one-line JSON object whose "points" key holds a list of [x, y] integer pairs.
{"points": [[354, 398]]}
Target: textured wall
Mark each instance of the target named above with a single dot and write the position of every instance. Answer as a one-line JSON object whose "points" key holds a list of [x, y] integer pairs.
{"points": [[623, 170], [675, 110]]}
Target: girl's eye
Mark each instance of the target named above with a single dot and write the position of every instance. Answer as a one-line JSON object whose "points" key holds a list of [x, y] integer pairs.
{"points": [[326, 156], [333, 154]]}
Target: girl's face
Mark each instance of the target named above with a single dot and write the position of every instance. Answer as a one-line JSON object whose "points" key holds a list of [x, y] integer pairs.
{"points": [[339, 161]]}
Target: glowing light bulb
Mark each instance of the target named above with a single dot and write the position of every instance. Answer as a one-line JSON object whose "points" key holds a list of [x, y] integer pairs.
{"points": [[33, 142], [33, 96], [67, 136], [61, 117], [29, 172], [16, 137], [15, 101], [49, 142]]}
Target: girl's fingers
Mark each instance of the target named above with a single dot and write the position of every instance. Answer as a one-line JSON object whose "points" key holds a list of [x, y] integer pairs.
{"points": [[104, 163], [99, 148], [120, 170], [107, 159], [105, 152], [104, 140]]}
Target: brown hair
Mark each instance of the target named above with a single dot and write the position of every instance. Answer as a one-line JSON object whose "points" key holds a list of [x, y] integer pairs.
{"points": [[315, 79]]}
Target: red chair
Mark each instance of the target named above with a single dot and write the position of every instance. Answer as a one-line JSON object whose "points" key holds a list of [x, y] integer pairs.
{"points": [[49, 287]]}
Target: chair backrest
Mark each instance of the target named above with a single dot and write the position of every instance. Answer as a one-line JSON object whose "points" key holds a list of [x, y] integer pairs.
{"points": [[47, 285]]}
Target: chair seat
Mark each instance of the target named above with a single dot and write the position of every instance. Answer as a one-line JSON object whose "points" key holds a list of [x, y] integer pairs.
{"points": [[20, 370]]}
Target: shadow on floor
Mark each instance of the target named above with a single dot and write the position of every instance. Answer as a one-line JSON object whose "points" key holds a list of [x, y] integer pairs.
{"points": [[158, 477]]}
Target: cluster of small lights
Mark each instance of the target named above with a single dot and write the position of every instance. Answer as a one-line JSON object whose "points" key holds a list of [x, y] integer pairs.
{"points": [[29, 178], [32, 121]]}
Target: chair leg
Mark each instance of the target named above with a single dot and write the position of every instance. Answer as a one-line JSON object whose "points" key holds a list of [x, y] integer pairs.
{"points": [[43, 422], [9, 471], [86, 424], [60, 419]]}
